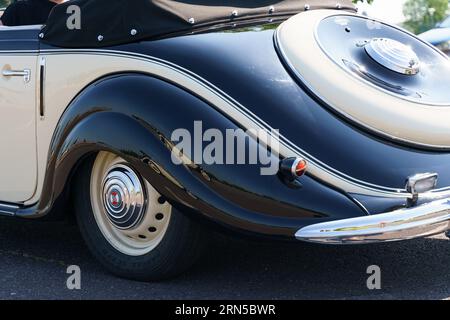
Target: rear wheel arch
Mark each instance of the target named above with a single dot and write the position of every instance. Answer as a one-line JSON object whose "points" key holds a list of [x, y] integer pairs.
{"points": [[133, 104], [81, 116]]}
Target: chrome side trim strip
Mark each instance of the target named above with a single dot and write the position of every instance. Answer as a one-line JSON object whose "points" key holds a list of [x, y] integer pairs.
{"points": [[19, 52], [318, 169], [8, 209], [42, 79], [248, 119], [417, 222]]}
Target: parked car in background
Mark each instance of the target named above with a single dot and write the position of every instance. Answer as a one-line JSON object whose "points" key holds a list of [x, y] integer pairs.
{"points": [[439, 36]]}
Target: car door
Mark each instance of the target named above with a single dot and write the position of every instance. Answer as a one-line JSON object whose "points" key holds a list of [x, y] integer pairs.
{"points": [[18, 112]]}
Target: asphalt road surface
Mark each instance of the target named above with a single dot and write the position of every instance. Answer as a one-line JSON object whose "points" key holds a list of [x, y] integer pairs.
{"points": [[34, 257]]}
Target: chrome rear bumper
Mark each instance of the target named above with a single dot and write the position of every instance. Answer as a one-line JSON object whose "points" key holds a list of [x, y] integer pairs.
{"points": [[421, 221]]}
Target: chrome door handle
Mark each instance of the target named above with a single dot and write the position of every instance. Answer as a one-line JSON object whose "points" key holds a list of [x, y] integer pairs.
{"points": [[26, 74]]}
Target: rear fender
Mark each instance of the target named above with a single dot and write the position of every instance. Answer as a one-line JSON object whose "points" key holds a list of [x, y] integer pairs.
{"points": [[134, 116]]}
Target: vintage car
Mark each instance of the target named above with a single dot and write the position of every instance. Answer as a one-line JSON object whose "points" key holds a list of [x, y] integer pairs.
{"points": [[354, 113]]}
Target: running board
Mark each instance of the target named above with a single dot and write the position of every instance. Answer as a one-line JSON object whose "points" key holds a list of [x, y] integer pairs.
{"points": [[8, 209]]}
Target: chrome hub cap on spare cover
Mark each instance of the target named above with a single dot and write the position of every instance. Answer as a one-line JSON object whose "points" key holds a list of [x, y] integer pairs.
{"points": [[130, 213], [393, 55]]}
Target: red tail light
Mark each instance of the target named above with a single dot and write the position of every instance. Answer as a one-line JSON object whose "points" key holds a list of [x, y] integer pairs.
{"points": [[293, 168], [299, 167]]}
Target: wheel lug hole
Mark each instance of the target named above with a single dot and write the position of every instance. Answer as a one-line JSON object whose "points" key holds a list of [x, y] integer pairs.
{"points": [[152, 229], [141, 236], [159, 216], [161, 200]]}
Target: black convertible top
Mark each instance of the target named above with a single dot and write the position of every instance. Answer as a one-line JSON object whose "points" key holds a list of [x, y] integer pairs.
{"points": [[112, 22]]}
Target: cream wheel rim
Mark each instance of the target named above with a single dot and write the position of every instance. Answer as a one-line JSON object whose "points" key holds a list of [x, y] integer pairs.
{"points": [[132, 216]]}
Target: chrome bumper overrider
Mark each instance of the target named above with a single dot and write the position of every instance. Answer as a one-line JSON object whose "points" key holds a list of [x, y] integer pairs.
{"points": [[421, 221]]}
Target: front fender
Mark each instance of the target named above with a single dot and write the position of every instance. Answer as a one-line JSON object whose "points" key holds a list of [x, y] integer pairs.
{"points": [[134, 116]]}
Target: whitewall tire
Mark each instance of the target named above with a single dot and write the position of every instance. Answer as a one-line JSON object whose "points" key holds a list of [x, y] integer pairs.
{"points": [[129, 227]]}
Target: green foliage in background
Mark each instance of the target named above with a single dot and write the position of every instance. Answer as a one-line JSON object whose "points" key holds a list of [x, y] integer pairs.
{"points": [[4, 3], [422, 15]]}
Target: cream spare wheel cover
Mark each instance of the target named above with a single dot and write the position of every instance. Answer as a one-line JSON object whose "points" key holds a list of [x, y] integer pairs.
{"points": [[377, 75]]}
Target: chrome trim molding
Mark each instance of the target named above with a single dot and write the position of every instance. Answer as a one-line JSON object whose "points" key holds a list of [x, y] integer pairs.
{"points": [[417, 222], [318, 169], [8, 209], [42, 65]]}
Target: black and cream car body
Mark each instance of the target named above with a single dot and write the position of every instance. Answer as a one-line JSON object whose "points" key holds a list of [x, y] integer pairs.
{"points": [[87, 117]]}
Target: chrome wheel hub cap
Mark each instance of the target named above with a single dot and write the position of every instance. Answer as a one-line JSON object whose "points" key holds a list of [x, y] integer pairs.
{"points": [[123, 197], [394, 55], [132, 216]]}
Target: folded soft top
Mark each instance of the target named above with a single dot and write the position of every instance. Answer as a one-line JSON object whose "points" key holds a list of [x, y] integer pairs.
{"points": [[113, 22]]}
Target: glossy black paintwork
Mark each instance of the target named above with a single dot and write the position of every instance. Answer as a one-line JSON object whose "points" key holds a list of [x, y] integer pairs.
{"points": [[19, 39], [134, 116], [246, 66]]}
